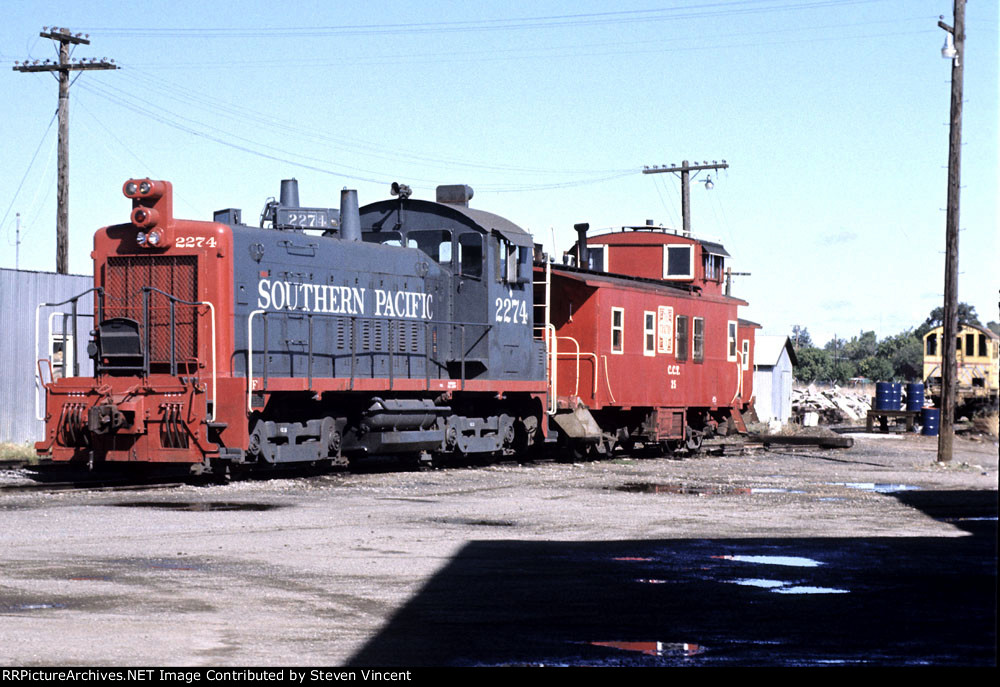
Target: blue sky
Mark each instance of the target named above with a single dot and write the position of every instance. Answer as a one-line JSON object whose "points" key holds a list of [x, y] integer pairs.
{"points": [[832, 115]]}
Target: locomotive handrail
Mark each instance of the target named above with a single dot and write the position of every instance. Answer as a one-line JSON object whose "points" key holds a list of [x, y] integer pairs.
{"points": [[74, 314], [354, 320], [146, 290]]}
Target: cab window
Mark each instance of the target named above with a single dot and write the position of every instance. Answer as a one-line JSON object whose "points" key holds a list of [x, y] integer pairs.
{"points": [[470, 255], [435, 242]]}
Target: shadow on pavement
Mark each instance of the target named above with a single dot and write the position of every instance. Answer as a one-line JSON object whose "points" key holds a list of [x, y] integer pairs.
{"points": [[787, 602]]}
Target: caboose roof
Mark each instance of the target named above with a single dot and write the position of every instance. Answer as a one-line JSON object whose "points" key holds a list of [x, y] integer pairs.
{"points": [[656, 236]]}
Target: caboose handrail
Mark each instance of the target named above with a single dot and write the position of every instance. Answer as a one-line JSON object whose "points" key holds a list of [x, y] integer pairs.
{"points": [[578, 355], [74, 314], [146, 290], [550, 331]]}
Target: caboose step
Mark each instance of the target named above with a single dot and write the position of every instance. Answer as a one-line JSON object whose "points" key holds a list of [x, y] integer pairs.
{"points": [[579, 424]]}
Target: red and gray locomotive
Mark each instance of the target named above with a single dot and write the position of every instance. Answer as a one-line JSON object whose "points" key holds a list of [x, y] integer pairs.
{"points": [[404, 327]]}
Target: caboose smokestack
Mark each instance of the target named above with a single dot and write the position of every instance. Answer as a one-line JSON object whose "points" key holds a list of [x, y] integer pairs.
{"points": [[289, 197], [581, 244], [350, 218]]}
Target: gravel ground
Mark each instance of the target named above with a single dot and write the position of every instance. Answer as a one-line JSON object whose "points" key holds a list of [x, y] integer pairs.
{"points": [[331, 570]]}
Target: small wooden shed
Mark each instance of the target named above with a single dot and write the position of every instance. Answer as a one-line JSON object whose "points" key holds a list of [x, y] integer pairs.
{"points": [[774, 359]]}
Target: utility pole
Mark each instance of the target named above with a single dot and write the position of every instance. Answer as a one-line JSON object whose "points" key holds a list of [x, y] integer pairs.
{"points": [[17, 244], [684, 170], [949, 373], [64, 66]]}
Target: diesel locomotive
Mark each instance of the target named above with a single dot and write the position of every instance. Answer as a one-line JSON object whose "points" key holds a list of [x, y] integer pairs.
{"points": [[404, 327]]}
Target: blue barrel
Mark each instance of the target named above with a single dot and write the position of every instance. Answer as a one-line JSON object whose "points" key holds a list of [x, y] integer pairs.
{"points": [[897, 396], [883, 396], [915, 396], [930, 418]]}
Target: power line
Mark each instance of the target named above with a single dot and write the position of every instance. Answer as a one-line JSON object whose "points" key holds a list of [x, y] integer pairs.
{"points": [[699, 10], [26, 171]]}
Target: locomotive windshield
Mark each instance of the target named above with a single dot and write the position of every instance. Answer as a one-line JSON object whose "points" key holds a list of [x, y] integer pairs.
{"points": [[435, 242], [386, 238]]}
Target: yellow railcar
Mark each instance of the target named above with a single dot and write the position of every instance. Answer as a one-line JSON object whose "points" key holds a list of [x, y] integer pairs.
{"points": [[978, 353]]}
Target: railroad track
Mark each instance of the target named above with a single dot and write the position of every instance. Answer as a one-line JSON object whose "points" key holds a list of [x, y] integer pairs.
{"points": [[61, 478]]}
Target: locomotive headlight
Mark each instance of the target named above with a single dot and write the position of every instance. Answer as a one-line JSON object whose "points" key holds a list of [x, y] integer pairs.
{"points": [[140, 238], [144, 187], [154, 238], [131, 188]]}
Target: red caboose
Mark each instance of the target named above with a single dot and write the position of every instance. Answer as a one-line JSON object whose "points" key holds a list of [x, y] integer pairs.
{"points": [[644, 341]]}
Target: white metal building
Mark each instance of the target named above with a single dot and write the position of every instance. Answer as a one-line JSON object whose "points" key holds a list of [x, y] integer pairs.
{"points": [[774, 358], [22, 346]]}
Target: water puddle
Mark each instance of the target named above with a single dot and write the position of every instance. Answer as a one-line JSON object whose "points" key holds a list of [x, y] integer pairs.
{"points": [[14, 608], [199, 506], [655, 648], [779, 587], [792, 561], [878, 487], [756, 582], [477, 522], [632, 558], [174, 565], [649, 580], [698, 490], [775, 490]]}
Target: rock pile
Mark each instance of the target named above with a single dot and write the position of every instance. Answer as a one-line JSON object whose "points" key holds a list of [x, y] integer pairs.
{"points": [[833, 406]]}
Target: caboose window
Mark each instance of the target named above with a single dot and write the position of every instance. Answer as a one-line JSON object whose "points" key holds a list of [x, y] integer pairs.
{"points": [[932, 344], [983, 352], [596, 258], [698, 340], [470, 255], [970, 344], [682, 338], [746, 354], [678, 262], [713, 266], [617, 330], [649, 333], [731, 341]]}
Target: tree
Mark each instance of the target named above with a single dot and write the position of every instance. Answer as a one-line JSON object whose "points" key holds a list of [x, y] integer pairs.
{"points": [[864, 345], [993, 327], [814, 365], [841, 371], [966, 315], [904, 351], [801, 338], [875, 367]]}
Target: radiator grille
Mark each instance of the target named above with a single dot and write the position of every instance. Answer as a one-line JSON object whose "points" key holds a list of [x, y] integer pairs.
{"points": [[174, 274]]}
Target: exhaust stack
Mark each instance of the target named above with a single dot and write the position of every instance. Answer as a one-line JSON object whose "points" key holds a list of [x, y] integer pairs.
{"points": [[350, 217]]}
